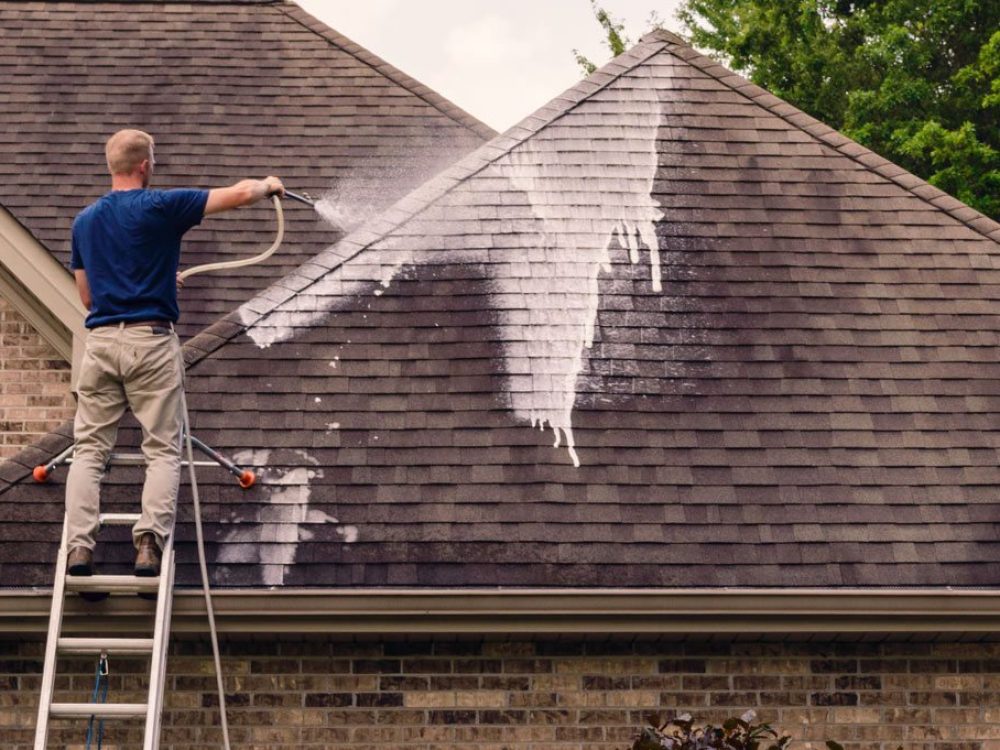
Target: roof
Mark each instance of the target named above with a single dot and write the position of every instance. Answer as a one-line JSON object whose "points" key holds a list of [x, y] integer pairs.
{"points": [[770, 350], [229, 90]]}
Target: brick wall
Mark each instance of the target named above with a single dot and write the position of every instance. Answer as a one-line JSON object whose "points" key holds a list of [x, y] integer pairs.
{"points": [[34, 384], [319, 693]]}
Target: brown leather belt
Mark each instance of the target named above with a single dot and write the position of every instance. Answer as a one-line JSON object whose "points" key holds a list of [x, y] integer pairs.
{"points": [[137, 323]]}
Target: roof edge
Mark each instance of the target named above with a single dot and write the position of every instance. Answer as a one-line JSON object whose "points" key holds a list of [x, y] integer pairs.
{"points": [[917, 186], [51, 300], [428, 95], [544, 611], [17, 468]]}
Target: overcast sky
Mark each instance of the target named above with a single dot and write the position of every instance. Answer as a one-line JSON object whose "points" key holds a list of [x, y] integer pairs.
{"points": [[498, 59]]}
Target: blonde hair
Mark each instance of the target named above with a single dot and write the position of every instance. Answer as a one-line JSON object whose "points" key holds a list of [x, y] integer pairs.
{"points": [[127, 149]]}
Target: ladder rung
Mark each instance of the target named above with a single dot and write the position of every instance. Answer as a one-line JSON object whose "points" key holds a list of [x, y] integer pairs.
{"points": [[127, 459], [100, 710], [112, 584], [137, 459], [109, 645], [118, 519]]}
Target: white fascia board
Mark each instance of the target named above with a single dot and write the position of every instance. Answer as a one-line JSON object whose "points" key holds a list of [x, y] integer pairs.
{"points": [[38, 286], [540, 611]]}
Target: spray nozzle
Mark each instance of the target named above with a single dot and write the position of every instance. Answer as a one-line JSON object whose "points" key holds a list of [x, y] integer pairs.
{"points": [[304, 198]]}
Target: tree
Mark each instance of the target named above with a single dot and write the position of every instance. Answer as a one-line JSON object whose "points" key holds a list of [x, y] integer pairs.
{"points": [[917, 81], [614, 37]]}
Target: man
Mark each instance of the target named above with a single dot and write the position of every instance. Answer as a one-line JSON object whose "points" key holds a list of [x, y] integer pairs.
{"points": [[126, 251]]}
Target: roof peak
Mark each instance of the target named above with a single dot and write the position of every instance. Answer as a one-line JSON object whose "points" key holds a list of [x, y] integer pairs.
{"points": [[661, 34]]}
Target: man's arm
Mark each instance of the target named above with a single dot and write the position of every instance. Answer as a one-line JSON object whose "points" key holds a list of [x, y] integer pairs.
{"points": [[82, 286], [242, 194]]}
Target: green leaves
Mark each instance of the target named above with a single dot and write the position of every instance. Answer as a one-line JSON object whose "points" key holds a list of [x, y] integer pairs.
{"points": [[614, 37], [736, 733], [917, 81]]}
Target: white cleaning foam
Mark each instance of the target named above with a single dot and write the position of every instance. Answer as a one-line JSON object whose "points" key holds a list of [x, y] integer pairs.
{"points": [[583, 196], [544, 350], [276, 529]]}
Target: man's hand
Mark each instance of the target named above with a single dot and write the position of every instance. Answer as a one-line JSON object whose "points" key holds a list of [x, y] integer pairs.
{"points": [[274, 187], [180, 282]]}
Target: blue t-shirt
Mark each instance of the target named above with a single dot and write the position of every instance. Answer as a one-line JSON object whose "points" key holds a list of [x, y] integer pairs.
{"points": [[129, 243]]}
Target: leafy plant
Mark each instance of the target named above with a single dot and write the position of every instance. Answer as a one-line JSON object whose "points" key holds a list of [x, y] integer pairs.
{"points": [[680, 733], [614, 37]]}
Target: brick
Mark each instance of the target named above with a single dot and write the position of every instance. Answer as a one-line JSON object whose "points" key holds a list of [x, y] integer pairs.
{"points": [[326, 700], [856, 715], [428, 699], [933, 699], [36, 379], [834, 699], [681, 665], [958, 682], [379, 699]]}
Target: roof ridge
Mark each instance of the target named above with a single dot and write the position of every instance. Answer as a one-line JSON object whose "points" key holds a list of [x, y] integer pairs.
{"points": [[415, 87], [917, 186], [662, 35]]}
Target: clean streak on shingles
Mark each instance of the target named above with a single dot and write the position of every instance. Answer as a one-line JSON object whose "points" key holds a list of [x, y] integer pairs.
{"points": [[276, 533]]}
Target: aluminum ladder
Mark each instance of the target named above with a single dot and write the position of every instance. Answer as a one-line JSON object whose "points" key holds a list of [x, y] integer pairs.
{"points": [[156, 647]]}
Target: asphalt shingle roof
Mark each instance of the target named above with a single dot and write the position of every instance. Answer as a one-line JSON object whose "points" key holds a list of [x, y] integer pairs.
{"points": [[229, 90], [771, 352]]}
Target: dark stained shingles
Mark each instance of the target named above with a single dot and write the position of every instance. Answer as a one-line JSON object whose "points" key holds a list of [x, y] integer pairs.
{"points": [[810, 398]]}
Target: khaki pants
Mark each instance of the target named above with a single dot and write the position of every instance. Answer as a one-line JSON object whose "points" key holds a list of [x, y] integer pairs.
{"points": [[139, 368]]}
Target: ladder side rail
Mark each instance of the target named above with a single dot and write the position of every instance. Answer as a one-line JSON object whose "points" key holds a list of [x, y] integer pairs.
{"points": [[164, 656], [161, 638], [51, 643]]}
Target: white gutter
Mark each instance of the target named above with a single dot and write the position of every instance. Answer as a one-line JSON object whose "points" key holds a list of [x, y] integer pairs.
{"points": [[538, 611]]}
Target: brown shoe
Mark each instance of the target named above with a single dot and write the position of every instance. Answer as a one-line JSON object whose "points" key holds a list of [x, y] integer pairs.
{"points": [[147, 558], [80, 562]]}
